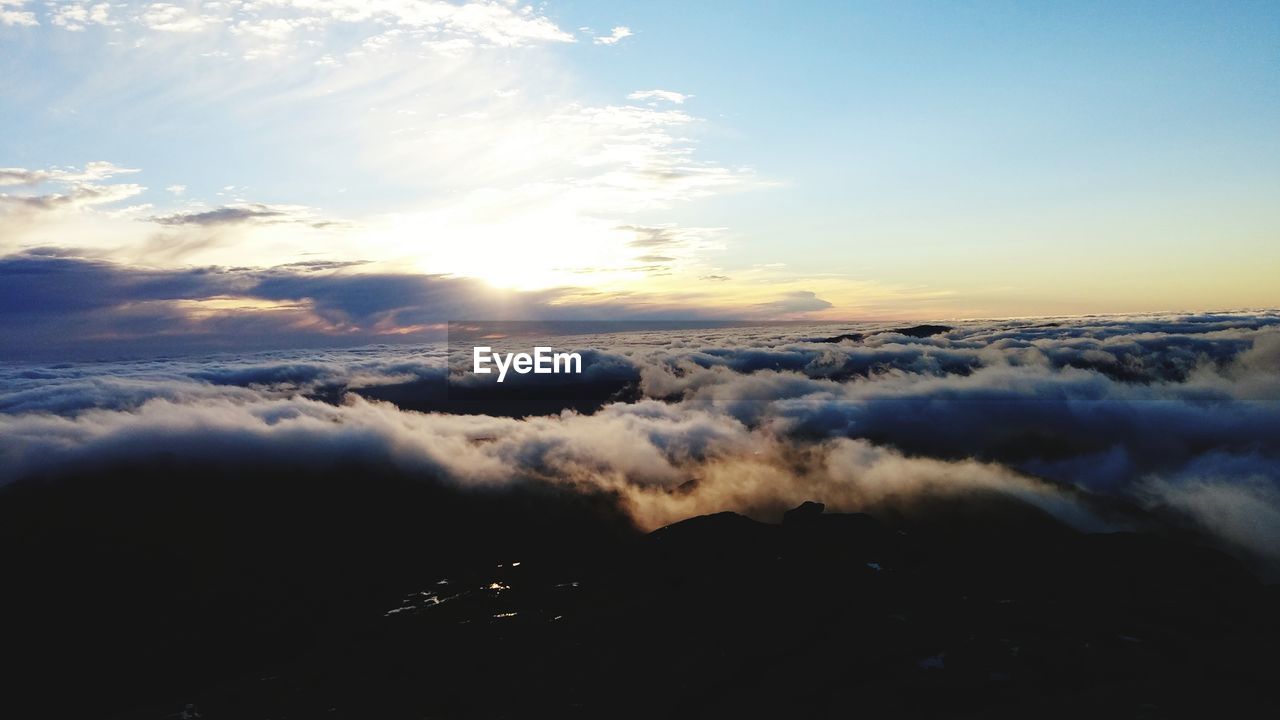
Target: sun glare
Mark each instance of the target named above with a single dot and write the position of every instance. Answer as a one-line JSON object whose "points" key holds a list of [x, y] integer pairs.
{"points": [[532, 251]]}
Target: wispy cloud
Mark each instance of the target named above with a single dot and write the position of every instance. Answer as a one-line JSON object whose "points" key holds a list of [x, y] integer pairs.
{"points": [[76, 189], [280, 25], [617, 34], [82, 195], [227, 215], [91, 172], [591, 168], [664, 95]]}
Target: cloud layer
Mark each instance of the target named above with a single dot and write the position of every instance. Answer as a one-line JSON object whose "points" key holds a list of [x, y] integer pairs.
{"points": [[1109, 423]]}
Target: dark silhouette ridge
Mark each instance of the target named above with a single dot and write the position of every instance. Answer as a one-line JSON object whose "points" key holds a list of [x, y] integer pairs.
{"points": [[518, 398], [851, 337], [259, 591], [915, 331], [921, 331]]}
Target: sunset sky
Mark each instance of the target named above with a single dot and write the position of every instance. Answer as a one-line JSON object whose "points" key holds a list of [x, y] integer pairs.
{"points": [[347, 168]]}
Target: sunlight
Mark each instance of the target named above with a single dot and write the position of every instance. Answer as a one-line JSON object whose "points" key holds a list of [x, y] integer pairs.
{"points": [[533, 249]]}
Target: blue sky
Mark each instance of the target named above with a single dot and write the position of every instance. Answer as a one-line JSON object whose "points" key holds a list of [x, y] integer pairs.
{"points": [[909, 131], [837, 160]]}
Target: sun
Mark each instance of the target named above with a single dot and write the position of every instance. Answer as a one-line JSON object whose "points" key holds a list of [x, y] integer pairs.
{"points": [[532, 250]]}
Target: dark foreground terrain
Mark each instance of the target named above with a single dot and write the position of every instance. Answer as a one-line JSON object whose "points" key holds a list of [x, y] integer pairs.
{"points": [[360, 593]]}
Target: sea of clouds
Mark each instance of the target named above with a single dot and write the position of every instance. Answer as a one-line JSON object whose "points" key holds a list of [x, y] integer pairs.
{"points": [[1109, 423]]}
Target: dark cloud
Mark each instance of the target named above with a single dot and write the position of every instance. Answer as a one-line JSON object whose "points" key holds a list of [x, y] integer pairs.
{"points": [[319, 265], [45, 285], [54, 304], [394, 299]]}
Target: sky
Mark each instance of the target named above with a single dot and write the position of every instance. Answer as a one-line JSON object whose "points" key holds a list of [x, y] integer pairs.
{"points": [[308, 171]]}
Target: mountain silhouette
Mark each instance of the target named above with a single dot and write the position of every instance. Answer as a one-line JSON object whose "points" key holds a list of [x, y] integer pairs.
{"points": [[243, 591]]}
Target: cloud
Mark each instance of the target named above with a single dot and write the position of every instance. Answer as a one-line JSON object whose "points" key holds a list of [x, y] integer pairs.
{"points": [[75, 191], [76, 16], [166, 17], [795, 302], [272, 27], [226, 215], [616, 35], [56, 303], [665, 95], [654, 237], [16, 16], [48, 284], [592, 170], [1236, 497], [91, 172], [251, 215], [646, 452], [51, 303], [749, 418], [78, 197], [414, 106], [640, 157]]}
